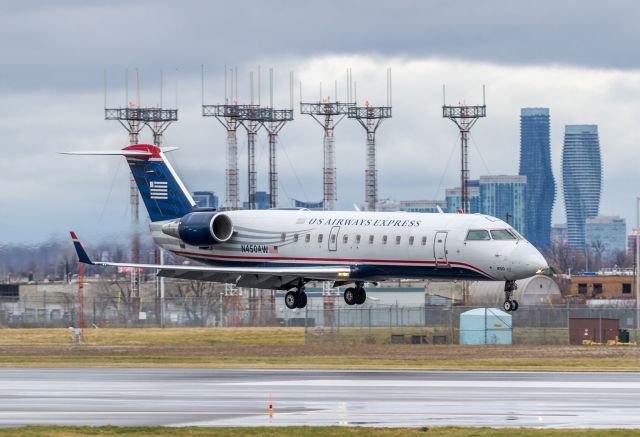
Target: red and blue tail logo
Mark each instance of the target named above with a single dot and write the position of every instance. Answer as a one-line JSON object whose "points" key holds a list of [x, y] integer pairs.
{"points": [[163, 193]]}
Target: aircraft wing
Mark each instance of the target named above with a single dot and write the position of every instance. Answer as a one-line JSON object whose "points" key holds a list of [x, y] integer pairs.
{"points": [[265, 277]]}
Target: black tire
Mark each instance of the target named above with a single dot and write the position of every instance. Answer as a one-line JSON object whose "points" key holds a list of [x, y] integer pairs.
{"points": [[302, 299], [508, 306], [361, 296], [291, 300], [514, 303], [350, 296]]}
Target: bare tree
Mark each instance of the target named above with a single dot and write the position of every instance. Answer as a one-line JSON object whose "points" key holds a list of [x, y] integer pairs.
{"points": [[200, 301]]}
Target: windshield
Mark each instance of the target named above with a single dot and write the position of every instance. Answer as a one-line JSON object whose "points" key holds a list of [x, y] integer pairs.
{"points": [[502, 234], [479, 234]]}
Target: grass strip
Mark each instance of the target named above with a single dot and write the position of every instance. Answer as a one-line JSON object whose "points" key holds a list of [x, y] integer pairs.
{"points": [[310, 431]]}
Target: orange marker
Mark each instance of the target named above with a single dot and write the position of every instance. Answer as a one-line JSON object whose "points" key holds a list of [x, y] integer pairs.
{"points": [[270, 406]]}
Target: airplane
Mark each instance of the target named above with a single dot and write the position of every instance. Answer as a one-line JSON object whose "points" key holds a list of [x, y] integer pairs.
{"points": [[283, 249]]}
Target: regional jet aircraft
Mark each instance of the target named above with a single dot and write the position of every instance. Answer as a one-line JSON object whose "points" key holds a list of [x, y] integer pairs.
{"points": [[284, 249]]}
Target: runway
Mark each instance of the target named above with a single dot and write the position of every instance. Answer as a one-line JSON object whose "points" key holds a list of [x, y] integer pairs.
{"points": [[178, 397]]}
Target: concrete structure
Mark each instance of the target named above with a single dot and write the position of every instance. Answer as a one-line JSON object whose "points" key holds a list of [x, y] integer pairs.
{"points": [[535, 164], [606, 236], [485, 326], [613, 285], [423, 205], [504, 197], [582, 179]]}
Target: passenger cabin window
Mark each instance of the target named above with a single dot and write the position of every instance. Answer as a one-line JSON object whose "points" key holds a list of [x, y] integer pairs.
{"points": [[411, 241], [319, 238], [384, 239], [333, 238], [307, 238], [398, 239], [370, 239], [479, 234], [357, 239], [283, 236], [502, 234], [295, 238], [345, 238], [424, 241]]}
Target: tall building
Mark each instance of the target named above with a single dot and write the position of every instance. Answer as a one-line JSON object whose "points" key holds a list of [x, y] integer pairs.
{"points": [[454, 201], [606, 233], [581, 179], [205, 199], [262, 201], [504, 197], [535, 164], [422, 205]]}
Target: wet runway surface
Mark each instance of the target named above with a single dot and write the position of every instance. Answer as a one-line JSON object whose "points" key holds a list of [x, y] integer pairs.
{"points": [[314, 397]]}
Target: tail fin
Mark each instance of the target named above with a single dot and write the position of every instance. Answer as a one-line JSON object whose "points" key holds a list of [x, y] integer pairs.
{"points": [[163, 193]]}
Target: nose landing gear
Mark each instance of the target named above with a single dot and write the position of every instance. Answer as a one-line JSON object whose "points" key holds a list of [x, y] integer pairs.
{"points": [[510, 304]]}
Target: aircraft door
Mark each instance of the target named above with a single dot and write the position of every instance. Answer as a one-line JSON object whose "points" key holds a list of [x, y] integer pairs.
{"points": [[440, 248], [333, 238]]}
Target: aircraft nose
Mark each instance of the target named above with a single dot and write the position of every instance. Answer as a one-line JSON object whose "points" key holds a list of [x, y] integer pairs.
{"points": [[529, 261]]}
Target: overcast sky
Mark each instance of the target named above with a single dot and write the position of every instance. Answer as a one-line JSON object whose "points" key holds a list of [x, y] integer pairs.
{"points": [[579, 58]]}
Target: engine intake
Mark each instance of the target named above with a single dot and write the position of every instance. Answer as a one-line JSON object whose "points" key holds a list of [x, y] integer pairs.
{"points": [[201, 228]]}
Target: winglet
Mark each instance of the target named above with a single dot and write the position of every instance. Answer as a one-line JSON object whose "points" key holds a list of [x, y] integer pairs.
{"points": [[82, 254]]}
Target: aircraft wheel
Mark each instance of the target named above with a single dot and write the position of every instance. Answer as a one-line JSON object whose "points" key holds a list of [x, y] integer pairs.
{"points": [[350, 296], [302, 299], [514, 304], [291, 300], [508, 306], [361, 296]]}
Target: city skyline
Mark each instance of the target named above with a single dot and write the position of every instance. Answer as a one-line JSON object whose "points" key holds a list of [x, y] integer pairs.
{"points": [[52, 90]]}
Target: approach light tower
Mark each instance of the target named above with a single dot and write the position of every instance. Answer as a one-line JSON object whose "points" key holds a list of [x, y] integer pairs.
{"points": [[132, 120], [227, 115], [370, 118], [250, 116], [273, 121], [464, 117], [328, 115]]}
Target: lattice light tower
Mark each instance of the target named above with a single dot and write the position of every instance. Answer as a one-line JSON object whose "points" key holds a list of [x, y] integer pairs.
{"points": [[227, 115], [464, 116], [273, 121], [132, 120], [250, 117], [370, 117], [328, 115]]}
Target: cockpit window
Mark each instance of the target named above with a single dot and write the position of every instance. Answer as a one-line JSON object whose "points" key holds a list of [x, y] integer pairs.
{"points": [[502, 234], [516, 233], [479, 234]]}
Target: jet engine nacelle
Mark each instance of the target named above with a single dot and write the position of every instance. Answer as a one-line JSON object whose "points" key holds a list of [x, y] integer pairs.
{"points": [[201, 228]]}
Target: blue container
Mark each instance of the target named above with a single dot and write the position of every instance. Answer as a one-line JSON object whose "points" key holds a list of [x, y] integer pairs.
{"points": [[485, 326]]}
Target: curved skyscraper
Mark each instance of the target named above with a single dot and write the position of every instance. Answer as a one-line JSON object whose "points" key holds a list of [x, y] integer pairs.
{"points": [[535, 164], [581, 179]]}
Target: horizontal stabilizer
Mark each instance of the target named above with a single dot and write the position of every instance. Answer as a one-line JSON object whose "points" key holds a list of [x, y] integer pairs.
{"points": [[201, 272]]}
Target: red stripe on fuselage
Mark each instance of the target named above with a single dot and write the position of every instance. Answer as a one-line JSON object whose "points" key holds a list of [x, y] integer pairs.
{"points": [[347, 260]]}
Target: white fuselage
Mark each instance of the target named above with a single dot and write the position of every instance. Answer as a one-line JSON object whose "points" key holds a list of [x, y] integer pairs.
{"points": [[381, 245]]}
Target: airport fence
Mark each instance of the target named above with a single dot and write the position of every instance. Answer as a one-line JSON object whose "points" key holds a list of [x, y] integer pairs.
{"points": [[324, 320]]}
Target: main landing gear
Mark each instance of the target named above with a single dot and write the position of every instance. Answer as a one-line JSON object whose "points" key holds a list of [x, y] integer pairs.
{"points": [[296, 298], [355, 296], [510, 304]]}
